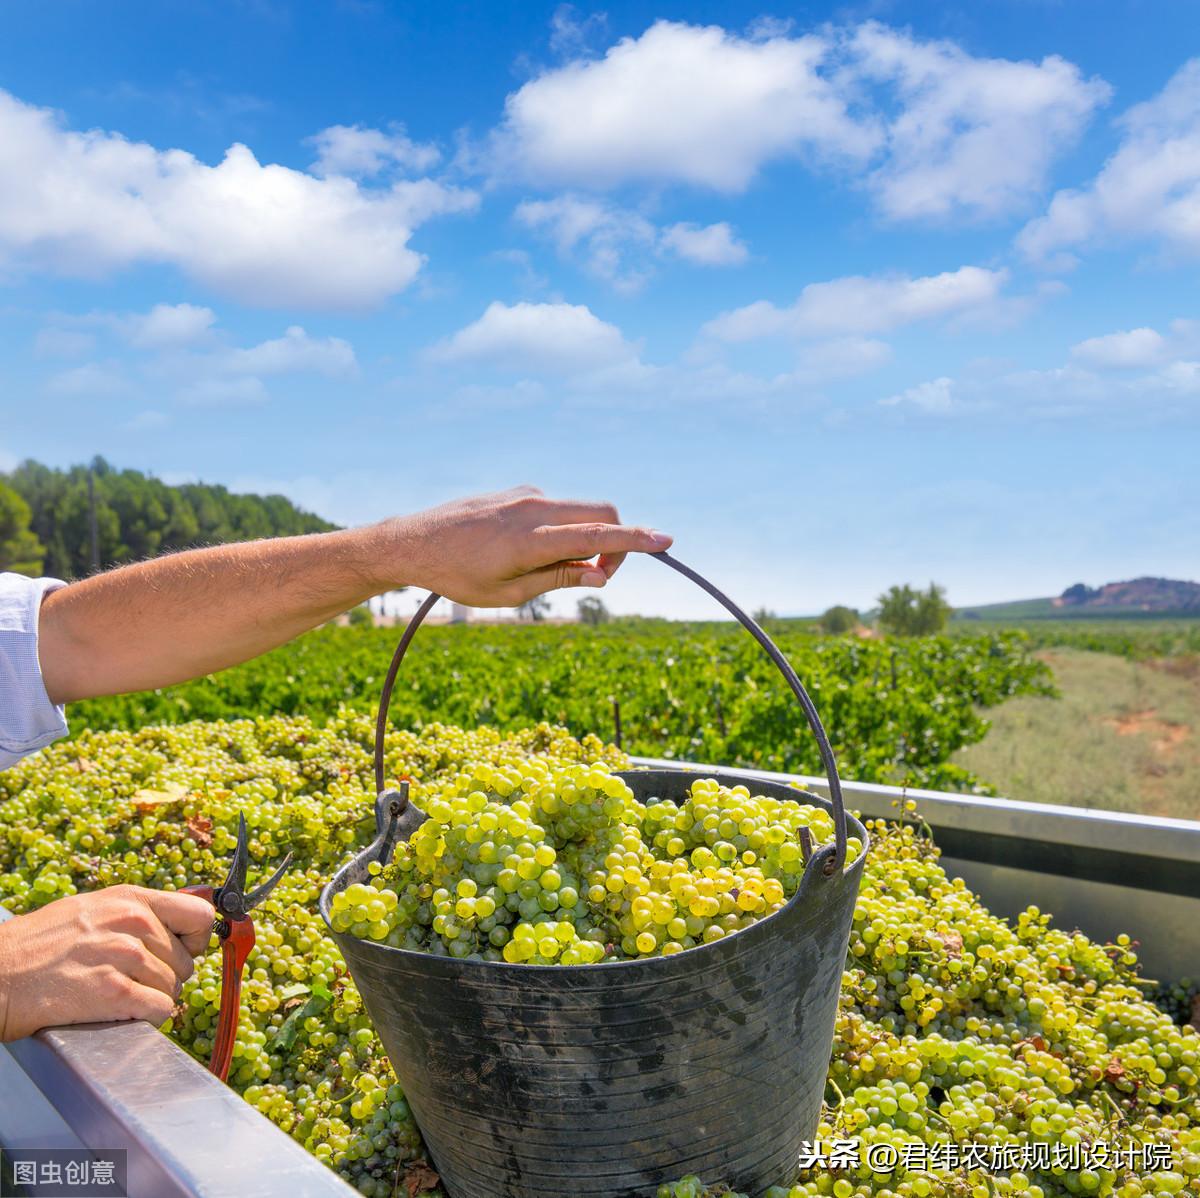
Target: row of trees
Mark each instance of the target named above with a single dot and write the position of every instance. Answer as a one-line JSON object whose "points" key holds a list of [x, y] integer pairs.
{"points": [[66, 522], [902, 611]]}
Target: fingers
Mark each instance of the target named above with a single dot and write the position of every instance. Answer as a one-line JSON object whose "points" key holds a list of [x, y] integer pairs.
{"points": [[576, 511], [140, 921], [565, 543], [188, 917], [172, 951], [556, 578], [141, 965], [133, 1000], [610, 563]]}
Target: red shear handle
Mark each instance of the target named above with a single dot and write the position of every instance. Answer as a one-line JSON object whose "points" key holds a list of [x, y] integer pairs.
{"points": [[235, 948]]}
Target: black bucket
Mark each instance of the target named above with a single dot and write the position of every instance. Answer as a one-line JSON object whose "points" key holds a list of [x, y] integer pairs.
{"points": [[606, 1080]]}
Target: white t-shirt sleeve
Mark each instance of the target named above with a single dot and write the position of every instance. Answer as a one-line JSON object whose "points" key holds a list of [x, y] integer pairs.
{"points": [[28, 720]]}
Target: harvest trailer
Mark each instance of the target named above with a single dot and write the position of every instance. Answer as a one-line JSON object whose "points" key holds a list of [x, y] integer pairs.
{"points": [[125, 1086]]}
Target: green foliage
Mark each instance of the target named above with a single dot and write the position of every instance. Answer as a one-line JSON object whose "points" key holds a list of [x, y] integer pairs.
{"points": [[838, 620], [1132, 637], [907, 612], [20, 550], [700, 692], [592, 610], [360, 617], [138, 516]]}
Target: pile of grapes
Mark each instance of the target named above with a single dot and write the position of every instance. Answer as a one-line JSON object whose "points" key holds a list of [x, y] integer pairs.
{"points": [[558, 864], [955, 1026]]}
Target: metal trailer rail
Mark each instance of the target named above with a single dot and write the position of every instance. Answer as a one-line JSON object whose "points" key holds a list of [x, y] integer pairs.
{"points": [[188, 1136]]}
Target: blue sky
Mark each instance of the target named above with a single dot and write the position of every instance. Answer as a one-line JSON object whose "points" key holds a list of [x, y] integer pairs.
{"points": [[840, 296]]}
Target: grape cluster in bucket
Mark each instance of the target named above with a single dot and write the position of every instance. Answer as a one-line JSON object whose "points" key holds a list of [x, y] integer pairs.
{"points": [[558, 864]]}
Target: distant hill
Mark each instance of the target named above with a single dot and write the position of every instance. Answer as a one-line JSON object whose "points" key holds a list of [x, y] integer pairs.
{"points": [[1137, 597]]}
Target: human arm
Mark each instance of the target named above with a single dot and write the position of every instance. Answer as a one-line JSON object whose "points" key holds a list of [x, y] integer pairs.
{"points": [[187, 614]]}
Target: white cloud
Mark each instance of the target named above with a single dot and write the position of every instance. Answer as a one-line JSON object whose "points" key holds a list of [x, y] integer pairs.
{"points": [[859, 304], [87, 204], [1149, 188], [225, 393], [711, 245], [937, 395], [293, 353], [1182, 377], [557, 338], [1136, 347], [618, 245], [933, 131], [681, 103], [569, 34], [419, 200], [360, 153], [971, 136], [845, 357], [603, 234], [169, 325], [1134, 375]]}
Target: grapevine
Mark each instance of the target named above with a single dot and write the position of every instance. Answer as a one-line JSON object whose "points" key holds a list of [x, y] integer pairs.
{"points": [[898, 710]]}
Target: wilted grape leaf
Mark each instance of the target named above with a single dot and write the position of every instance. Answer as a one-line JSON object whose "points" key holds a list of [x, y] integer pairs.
{"points": [[200, 829], [952, 942], [147, 798], [419, 1178]]}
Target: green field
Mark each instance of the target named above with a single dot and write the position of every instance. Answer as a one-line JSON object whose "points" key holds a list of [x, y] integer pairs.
{"points": [[1124, 734], [896, 712], [1148, 637]]}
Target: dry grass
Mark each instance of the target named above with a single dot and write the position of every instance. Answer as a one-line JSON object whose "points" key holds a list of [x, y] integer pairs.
{"points": [[1124, 736]]}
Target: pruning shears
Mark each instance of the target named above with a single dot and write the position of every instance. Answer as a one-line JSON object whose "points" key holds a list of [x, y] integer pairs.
{"points": [[235, 928]]}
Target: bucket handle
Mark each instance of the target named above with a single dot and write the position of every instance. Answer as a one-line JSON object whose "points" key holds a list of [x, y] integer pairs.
{"points": [[832, 865]]}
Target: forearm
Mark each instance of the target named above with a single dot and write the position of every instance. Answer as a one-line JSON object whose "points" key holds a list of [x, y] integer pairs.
{"points": [[182, 616], [187, 614]]}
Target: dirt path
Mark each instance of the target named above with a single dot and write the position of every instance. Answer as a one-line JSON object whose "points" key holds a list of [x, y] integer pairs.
{"points": [[1124, 736]]}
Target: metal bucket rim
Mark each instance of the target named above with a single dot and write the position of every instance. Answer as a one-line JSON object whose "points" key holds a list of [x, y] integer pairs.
{"points": [[519, 969]]}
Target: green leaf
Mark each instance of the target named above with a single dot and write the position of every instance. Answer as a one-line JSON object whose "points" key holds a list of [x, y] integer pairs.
{"points": [[293, 1025]]}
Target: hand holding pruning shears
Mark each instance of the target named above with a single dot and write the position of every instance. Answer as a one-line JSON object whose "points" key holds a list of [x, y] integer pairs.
{"points": [[235, 928]]}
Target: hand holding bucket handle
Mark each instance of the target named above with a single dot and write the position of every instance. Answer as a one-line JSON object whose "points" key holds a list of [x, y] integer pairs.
{"points": [[832, 865]]}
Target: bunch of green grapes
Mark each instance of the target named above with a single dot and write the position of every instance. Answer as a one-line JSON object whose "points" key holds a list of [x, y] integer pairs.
{"points": [[559, 864]]}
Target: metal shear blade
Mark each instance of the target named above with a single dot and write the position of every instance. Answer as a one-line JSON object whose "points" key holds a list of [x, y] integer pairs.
{"points": [[230, 898]]}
